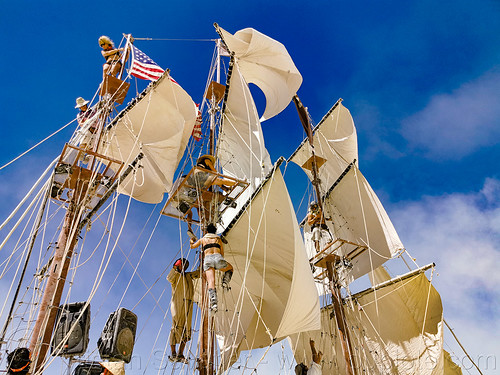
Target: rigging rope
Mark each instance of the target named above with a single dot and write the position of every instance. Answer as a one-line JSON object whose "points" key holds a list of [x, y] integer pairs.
{"points": [[38, 144], [37, 196], [177, 39], [459, 343], [51, 165]]}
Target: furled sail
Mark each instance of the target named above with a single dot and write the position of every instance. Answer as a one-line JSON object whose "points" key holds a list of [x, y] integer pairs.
{"points": [[402, 332], [266, 63], [355, 211], [273, 293], [158, 124]]}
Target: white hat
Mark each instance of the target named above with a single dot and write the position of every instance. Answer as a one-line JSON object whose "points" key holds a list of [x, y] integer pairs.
{"points": [[80, 102], [116, 368]]}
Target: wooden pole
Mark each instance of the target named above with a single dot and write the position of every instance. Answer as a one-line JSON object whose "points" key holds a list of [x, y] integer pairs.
{"points": [[304, 119], [203, 359], [340, 318], [42, 332], [332, 272]]}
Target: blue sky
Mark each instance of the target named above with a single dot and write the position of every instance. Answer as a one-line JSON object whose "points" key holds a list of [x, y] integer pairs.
{"points": [[421, 79]]}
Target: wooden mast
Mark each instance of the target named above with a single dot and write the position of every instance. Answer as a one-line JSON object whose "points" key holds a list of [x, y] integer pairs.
{"points": [[42, 332], [58, 270], [331, 270], [213, 95]]}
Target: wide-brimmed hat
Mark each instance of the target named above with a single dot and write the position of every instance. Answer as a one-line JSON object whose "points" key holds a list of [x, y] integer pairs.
{"points": [[116, 368], [80, 102], [202, 158]]}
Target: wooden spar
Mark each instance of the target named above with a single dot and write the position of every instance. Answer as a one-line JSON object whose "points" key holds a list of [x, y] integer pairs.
{"points": [[42, 332], [391, 281], [340, 319], [304, 119], [332, 273], [214, 96], [44, 325], [125, 53]]}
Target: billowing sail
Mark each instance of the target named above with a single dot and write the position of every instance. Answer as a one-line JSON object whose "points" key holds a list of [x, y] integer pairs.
{"points": [[159, 124], [273, 293], [358, 216], [401, 332], [266, 63], [241, 150], [335, 141], [353, 210]]}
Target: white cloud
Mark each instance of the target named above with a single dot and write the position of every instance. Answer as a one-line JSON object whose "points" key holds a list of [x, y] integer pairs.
{"points": [[460, 233], [457, 124]]}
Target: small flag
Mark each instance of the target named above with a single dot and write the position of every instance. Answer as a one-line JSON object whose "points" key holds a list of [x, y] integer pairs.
{"points": [[143, 67], [197, 125]]}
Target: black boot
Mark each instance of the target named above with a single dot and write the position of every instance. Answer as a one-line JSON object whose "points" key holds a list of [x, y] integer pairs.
{"points": [[226, 279], [212, 297]]}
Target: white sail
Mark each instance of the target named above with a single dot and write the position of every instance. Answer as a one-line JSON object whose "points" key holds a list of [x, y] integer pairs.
{"points": [[273, 293], [159, 125], [359, 217], [335, 141], [402, 332], [241, 149], [266, 63], [355, 210]]}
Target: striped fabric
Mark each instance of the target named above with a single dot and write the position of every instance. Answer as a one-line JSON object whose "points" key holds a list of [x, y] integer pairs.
{"points": [[143, 67], [197, 126]]}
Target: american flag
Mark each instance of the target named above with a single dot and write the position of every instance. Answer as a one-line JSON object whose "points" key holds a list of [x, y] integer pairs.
{"points": [[197, 125], [143, 67]]}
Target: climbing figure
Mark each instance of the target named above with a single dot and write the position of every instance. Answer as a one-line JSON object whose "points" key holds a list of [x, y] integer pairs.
{"points": [[315, 367], [112, 55], [204, 179], [85, 112], [181, 307], [316, 221], [199, 196], [213, 251]]}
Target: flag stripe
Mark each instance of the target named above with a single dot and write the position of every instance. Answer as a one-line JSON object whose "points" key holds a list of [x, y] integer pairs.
{"points": [[197, 125], [143, 67]]}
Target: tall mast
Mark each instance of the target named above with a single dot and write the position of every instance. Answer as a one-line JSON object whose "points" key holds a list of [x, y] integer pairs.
{"points": [[80, 178], [213, 97], [42, 332], [207, 336], [304, 119], [331, 270]]}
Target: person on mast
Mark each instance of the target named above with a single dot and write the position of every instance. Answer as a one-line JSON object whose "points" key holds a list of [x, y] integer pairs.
{"points": [[213, 251], [181, 307], [85, 112], [112, 55], [316, 221], [203, 178], [315, 367]]}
